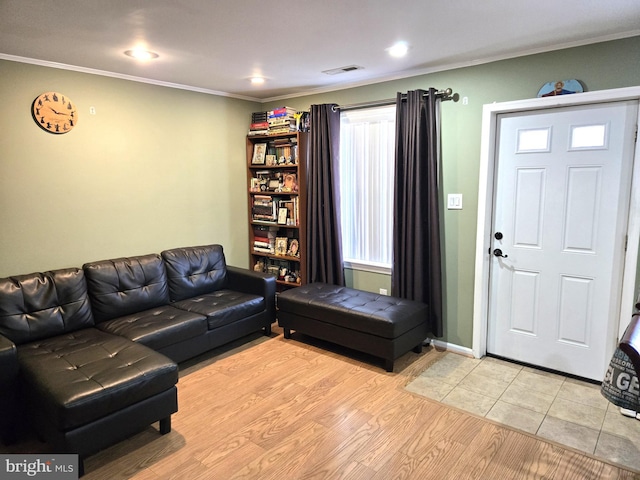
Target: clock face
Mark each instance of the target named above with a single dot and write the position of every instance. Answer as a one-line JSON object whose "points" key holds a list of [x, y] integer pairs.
{"points": [[54, 112]]}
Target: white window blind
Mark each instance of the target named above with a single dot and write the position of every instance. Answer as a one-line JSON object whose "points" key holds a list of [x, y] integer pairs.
{"points": [[367, 143]]}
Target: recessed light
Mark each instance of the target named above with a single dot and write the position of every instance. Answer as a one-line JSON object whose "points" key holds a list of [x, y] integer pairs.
{"points": [[398, 50], [141, 54], [257, 80]]}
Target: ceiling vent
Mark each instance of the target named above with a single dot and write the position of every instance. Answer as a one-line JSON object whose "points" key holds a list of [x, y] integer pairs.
{"points": [[336, 71]]}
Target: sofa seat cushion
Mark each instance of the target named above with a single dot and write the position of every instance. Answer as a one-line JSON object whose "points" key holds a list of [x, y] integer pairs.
{"points": [[223, 306], [159, 327], [82, 376], [379, 315]]}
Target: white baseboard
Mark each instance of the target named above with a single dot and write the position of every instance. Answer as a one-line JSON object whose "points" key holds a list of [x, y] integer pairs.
{"points": [[451, 347]]}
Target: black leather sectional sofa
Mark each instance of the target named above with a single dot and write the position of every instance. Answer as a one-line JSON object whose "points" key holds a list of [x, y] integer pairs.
{"points": [[89, 356]]}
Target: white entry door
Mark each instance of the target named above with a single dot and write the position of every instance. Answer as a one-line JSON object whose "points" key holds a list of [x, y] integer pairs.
{"points": [[561, 201]]}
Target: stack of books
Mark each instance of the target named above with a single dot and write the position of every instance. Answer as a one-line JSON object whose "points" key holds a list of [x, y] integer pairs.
{"points": [[259, 124], [264, 209], [264, 239], [281, 120]]}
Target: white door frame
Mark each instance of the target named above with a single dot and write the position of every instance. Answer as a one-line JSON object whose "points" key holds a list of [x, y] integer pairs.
{"points": [[486, 187]]}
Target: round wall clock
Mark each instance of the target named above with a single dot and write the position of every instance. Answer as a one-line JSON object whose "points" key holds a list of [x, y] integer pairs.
{"points": [[54, 112]]}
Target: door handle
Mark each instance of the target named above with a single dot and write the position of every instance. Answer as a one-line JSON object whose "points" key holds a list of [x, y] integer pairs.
{"points": [[498, 253]]}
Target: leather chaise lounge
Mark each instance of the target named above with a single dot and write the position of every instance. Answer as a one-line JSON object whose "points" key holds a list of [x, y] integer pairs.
{"points": [[90, 354]]}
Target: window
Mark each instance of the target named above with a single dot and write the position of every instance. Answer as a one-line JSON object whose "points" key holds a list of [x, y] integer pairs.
{"points": [[367, 144]]}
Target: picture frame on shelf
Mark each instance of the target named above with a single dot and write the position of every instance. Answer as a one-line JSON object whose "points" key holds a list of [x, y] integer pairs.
{"points": [[281, 246], [271, 160], [294, 248], [282, 216], [259, 154], [273, 185], [290, 183]]}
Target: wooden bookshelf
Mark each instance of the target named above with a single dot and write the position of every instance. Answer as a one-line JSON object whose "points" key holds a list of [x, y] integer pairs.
{"points": [[276, 187]]}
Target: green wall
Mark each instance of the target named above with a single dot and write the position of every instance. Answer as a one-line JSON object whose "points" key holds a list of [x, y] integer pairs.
{"points": [[154, 168], [600, 66], [158, 167]]}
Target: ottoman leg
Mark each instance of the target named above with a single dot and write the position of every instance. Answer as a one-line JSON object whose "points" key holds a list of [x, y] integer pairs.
{"points": [[287, 333], [267, 330], [165, 425]]}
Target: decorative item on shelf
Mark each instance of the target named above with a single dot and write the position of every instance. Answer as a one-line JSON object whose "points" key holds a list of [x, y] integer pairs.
{"points": [[283, 273], [294, 248], [259, 266], [560, 87], [305, 122], [259, 152], [273, 270], [271, 160], [281, 246]]}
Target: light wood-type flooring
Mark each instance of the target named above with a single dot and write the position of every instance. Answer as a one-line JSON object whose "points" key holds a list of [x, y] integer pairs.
{"points": [[281, 409]]}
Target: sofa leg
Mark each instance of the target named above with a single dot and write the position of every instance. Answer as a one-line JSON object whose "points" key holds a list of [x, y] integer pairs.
{"points": [[418, 348], [80, 466], [267, 330], [388, 365], [287, 333], [165, 425]]}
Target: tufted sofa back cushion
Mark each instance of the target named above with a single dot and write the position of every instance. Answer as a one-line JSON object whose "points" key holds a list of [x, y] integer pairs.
{"points": [[41, 305], [194, 271], [123, 286]]}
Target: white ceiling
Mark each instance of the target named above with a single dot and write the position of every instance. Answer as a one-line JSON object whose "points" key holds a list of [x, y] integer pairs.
{"points": [[217, 45]]}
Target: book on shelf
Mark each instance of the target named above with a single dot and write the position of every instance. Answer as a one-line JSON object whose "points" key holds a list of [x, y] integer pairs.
{"points": [[263, 250], [281, 111], [264, 208], [259, 117]]}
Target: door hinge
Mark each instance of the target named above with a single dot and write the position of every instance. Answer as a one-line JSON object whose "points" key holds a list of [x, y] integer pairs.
{"points": [[626, 242]]}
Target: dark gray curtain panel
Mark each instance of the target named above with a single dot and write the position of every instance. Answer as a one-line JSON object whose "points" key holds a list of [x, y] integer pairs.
{"points": [[416, 273], [324, 237]]}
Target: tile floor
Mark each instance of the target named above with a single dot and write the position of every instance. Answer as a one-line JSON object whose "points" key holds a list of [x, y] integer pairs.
{"points": [[565, 410]]}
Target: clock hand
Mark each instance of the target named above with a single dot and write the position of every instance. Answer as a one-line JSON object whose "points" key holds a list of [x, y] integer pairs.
{"points": [[56, 112]]}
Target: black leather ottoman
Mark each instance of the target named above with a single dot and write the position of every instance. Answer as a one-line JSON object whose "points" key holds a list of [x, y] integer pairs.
{"points": [[380, 325]]}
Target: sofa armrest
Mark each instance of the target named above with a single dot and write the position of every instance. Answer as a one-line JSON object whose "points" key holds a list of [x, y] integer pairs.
{"points": [[8, 390], [630, 342], [8, 361], [256, 283]]}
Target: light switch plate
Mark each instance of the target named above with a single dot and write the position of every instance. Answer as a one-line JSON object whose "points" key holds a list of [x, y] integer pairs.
{"points": [[454, 201]]}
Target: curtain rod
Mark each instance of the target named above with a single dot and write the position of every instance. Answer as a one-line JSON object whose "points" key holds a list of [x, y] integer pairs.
{"points": [[444, 95]]}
